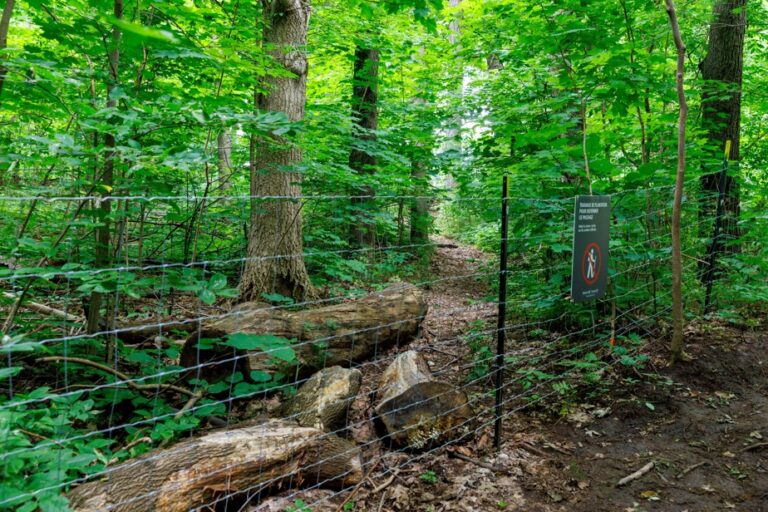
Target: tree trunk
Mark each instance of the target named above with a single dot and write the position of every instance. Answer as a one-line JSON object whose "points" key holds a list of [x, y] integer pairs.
{"points": [[677, 265], [365, 119], [341, 334], [722, 70], [5, 23], [107, 181], [417, 411], [224, 146], [275, 249], [219, 466], [420, 205], [324, 399]]}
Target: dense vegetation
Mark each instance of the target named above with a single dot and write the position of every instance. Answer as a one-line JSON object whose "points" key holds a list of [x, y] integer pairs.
{"points": [[163, 159]]}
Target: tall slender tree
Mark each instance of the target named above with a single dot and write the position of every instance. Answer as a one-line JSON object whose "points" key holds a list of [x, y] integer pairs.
{"points": [[677, 252], [106, 180], [275, 261], [365, 114]]}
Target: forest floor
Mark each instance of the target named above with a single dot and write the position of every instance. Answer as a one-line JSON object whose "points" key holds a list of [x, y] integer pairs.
{"points": [[704, 425]]}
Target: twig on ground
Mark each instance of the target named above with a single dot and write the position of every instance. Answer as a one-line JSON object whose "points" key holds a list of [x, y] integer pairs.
{"points": [[117, 373], [753, 447], [42, 308], [130, 445], [387, 482], [637, 474], [190, 403], [486, 465], [532, 449], [690, 468], [557, 449]]}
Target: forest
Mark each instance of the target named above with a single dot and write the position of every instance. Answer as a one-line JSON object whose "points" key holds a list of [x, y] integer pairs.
{"points": [[310, 255]]}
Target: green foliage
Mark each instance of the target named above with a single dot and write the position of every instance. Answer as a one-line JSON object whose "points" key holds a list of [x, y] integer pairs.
{"points": [[429, 477]]}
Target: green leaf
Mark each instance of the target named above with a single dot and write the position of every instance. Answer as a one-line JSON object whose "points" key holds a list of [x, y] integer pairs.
{"points": [[10, 372], [207, 296], [217, 282], [143, 31]]}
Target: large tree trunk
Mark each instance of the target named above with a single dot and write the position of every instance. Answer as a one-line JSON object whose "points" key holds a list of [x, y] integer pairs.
{"points": [[222, 465], [275, 250], [365, 119], [722, 70], [416, 410], [340, 334], [5, 23]]}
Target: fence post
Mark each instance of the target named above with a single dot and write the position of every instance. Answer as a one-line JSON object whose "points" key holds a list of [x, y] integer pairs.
{"points": [[714, 248], [500, 332]]}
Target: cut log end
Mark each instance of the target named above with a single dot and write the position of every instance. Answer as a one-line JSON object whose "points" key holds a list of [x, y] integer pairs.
{"points": [[417, 411]]}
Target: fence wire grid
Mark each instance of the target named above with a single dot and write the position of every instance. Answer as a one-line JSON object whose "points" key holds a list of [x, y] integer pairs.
{"points": [[125, 412]]}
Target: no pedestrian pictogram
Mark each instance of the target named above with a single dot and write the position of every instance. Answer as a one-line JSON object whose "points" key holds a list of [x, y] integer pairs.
{"points": [[591, 223]]}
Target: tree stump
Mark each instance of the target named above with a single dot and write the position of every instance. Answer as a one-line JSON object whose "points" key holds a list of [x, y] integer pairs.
{"points": [[223, 464], [340, 334], [323, 400], [416, 410]]}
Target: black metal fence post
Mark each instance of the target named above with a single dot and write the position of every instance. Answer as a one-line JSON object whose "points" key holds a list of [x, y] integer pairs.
{"points": [[500, 332]]}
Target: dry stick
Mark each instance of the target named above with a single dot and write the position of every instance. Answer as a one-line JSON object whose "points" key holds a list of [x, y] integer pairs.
{"points": [[485, 465], [119, 374], [690, 468], [637, 474], [677, 265], [42, 308], [190, 403], [386, 483], [532, 449], [753, 447], [213, 420]]}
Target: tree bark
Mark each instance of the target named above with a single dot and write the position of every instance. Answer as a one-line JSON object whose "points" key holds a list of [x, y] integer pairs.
{"points": [[420, 221], [677, 265], [224, 148], [722, 70], [5, 23], [366, 120], [275, 249], [107, 180], [323, 400], [416, 410], [223, 465], [340, 334]]}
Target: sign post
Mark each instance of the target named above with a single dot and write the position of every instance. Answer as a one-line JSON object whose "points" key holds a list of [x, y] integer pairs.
{"points": [[591, 223]]}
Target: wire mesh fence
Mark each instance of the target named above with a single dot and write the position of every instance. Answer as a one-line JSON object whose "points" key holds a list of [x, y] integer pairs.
{"points": [[167, 395]]}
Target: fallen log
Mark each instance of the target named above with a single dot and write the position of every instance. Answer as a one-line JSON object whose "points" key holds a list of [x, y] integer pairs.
{"points": [[222, 465], [324, 399], [417, 411], [340, 334]]}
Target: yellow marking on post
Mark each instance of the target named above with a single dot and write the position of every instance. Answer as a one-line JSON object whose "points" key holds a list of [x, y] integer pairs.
{"points": [[728, 149]]}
